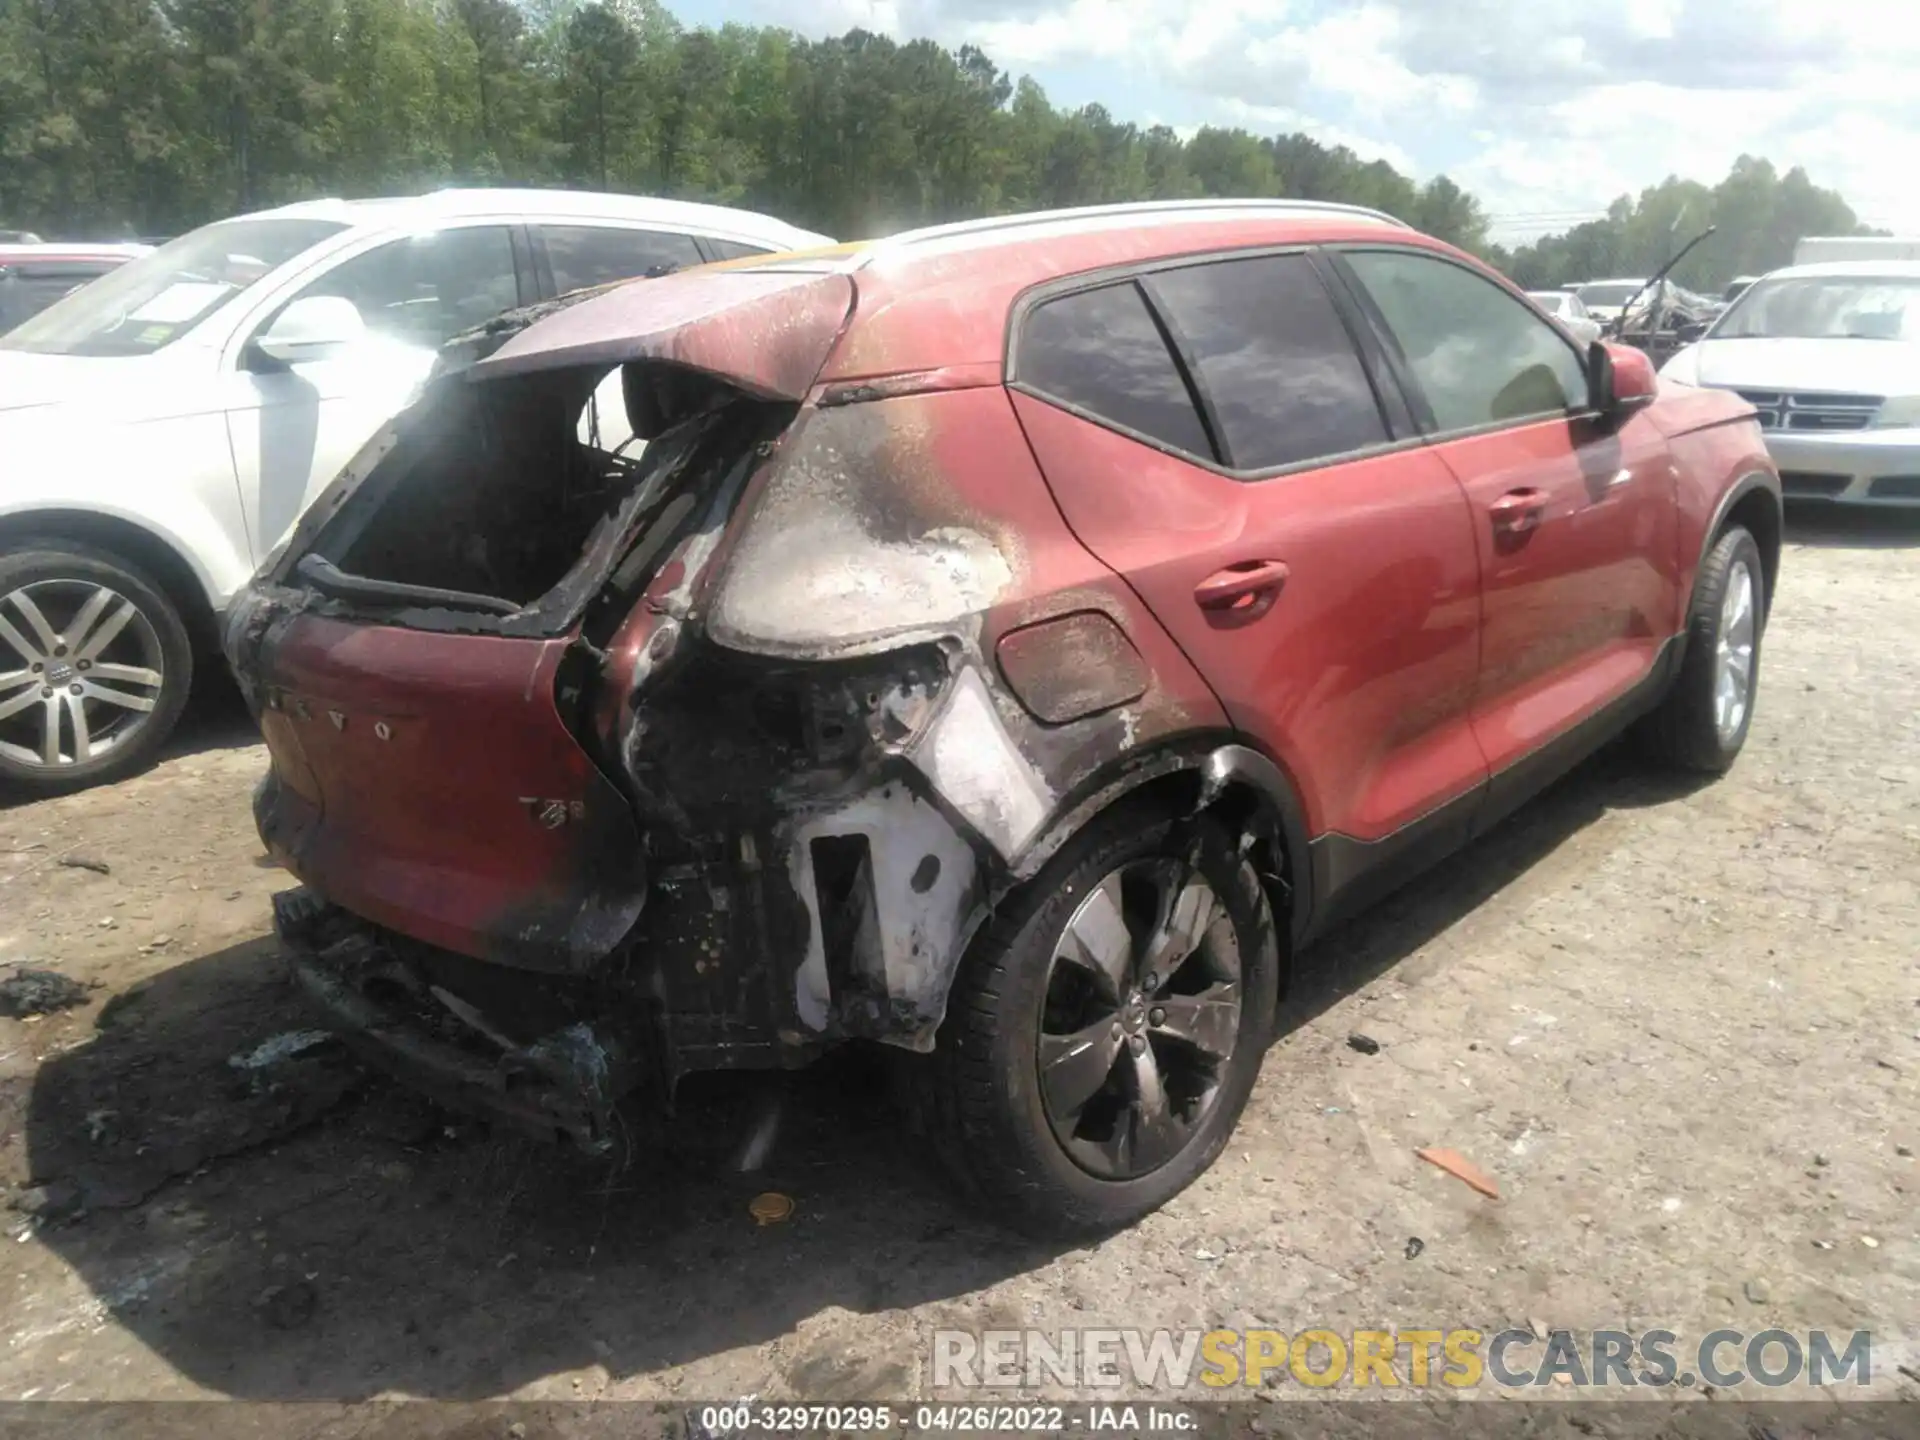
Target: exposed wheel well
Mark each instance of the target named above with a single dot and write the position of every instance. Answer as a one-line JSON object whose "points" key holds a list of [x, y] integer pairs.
{"points": [[1759, 512], [168, 569]]}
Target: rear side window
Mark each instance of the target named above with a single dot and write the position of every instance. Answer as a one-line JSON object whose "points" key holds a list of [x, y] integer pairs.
{"points": [[1274, 360], [1100, 352], [1479, 355], [588, 255]]}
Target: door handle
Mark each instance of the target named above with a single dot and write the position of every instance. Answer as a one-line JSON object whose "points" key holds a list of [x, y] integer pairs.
{"points": [[1518, 510], [1242, 586]]}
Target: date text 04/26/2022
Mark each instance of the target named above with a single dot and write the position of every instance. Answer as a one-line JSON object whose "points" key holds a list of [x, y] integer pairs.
{"points": [[1034, 1419]]}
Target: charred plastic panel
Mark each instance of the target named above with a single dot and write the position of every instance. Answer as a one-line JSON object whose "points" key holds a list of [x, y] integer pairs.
{"points": [[548, 1057]]}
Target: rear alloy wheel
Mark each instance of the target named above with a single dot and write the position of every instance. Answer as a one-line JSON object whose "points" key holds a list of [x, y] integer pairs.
{"points": [[94, 668], [1105, 1030], [1141, 1019]]}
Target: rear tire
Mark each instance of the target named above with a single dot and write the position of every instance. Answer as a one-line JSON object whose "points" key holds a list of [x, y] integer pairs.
{"points": [[93, 653], [1702, 722], [1006, 1131]]}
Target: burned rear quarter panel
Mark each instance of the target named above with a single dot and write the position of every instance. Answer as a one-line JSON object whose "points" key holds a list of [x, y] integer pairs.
{"points": [[919, 524]]}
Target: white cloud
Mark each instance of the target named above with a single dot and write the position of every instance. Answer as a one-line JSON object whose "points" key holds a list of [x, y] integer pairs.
{"points": [[1546, 109]]}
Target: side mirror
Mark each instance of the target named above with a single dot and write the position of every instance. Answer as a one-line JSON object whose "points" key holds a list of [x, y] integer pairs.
{"points": [[312, 328], [1620, 379]]}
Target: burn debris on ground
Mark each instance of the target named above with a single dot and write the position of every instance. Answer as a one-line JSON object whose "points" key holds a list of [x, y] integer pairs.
{"points": [[26, 992]]}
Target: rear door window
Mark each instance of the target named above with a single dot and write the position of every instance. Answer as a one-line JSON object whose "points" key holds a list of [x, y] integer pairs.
{"points": [[1273, 360], [1100, 352], [1479, 355], [583, 256]]}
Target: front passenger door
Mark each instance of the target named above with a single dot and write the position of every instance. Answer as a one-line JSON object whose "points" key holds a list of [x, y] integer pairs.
{"points": [[293, 429], [1574, 515]]}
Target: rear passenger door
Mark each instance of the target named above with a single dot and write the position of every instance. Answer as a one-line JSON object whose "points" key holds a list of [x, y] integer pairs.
{"points": [[1211, 433], [1574, 516]]}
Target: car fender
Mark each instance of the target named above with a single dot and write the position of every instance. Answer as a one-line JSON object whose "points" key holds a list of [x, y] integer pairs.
{"points": [[171, 477]]}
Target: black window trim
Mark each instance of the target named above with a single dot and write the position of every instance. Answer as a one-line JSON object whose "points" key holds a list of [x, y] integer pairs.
{"points": [[1140, 273], [1187, 363], [1397, 361]]}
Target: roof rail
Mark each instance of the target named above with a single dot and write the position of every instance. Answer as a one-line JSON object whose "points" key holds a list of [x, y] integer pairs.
{"points": [[1143, 209]]}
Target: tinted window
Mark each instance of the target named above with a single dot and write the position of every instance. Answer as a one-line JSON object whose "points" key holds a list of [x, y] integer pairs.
{"points": [[733, 249], [1477, 353], [428, 287], [1099, 351], [1274, 359], [585, 255]]}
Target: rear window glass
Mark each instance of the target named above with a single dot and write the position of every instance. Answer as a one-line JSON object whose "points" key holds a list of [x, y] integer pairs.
{"points": [[1274, 359], [1100, 352]]}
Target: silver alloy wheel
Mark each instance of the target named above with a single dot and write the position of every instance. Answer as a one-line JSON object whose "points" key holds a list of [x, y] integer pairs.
{"points": [[1141, 1016], [81, 669], [1733, 668]]}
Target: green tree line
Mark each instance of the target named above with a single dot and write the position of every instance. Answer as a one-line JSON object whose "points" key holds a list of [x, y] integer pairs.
{"points": [[148, 117], [1758, 212]]}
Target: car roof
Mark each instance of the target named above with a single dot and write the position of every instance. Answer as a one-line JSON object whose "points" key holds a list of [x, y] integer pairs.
{"points": [[939, 298], [1624, 280], [1043, 227], [462, 204], [1850, 270]]}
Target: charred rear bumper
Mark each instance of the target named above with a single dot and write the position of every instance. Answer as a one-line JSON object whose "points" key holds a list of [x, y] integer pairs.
{"points": [[566, 1081]]}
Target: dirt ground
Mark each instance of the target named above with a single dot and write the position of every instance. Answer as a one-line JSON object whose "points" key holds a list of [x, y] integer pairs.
{"points": [[1679, 1025]]}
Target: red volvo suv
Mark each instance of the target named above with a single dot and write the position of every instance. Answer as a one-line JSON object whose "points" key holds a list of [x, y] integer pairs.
{"points": [[1008, 642]]}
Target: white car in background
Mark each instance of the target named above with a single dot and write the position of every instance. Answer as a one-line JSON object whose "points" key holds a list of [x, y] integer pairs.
{"points": [[1605, 299], [1830, 357], [1570, 311], [164, 426]]}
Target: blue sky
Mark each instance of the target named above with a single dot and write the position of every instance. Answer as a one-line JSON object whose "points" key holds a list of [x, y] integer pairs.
{"points": [[1547, 109]]}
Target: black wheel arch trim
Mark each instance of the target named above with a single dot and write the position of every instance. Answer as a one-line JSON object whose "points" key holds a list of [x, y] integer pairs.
{"points": [[1214, 762], [1747, 484]]}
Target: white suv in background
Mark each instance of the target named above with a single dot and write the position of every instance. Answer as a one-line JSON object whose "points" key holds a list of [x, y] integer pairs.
{"points": [[163, 427]]}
